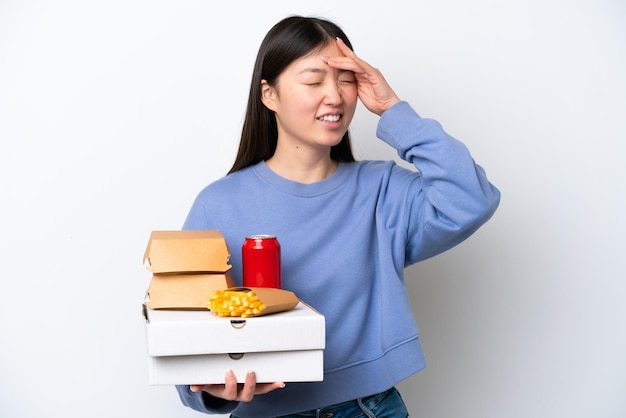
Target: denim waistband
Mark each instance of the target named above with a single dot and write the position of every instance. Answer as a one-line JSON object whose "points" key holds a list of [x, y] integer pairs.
{"points": [[361, 406], [338, 410], [368, 402]]}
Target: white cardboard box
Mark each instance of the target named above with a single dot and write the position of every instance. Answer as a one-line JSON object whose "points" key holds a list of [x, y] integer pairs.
{"points": [[273, 366], [195, 347]]}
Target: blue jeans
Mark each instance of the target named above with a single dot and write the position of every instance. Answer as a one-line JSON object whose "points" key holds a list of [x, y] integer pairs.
{"points": [[387, 404]]}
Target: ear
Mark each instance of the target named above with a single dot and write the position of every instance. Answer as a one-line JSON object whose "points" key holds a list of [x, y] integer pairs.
{"points": [[268, 95]]}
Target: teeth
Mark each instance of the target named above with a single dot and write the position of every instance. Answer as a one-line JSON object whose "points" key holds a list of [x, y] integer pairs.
{"points": [[330, 118]]}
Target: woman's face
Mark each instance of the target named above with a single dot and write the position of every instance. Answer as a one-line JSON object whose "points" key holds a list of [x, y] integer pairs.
{"points": [[313, 103]]}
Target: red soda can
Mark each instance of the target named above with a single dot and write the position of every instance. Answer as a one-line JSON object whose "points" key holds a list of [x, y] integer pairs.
{"points": [[260, 257]]}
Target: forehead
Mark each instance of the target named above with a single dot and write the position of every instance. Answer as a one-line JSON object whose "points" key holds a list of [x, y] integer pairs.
{"points": [[314, 58]]}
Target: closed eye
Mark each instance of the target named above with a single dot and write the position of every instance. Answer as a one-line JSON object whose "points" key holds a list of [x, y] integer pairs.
{"points": [[347, 77]]}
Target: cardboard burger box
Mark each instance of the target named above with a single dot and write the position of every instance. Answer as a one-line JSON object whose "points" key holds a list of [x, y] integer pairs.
{"points": [[188, 344], [187, 267], [196, 347]]}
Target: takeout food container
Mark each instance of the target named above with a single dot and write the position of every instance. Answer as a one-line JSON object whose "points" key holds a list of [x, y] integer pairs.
{"points": [[179, 252], [274, 300], [187, 267], [197, 347], [185, 291], [188, 344]]}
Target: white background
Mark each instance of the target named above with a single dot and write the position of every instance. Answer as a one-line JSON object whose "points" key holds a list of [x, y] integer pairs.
{"points": [[113, 115]]}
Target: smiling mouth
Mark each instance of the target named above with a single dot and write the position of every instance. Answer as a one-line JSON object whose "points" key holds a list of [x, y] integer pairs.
{"points": [[330, 118]]}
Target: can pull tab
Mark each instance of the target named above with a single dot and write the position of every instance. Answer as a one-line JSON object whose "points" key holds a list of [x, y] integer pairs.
{"points": [[238, 323]]}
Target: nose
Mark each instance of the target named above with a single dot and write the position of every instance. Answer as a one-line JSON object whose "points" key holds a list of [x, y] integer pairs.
{"points": [[333, 95]]}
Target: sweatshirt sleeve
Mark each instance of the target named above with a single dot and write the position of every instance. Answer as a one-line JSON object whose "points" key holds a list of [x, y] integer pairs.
{"points": [[203, 402], [450, 197]]}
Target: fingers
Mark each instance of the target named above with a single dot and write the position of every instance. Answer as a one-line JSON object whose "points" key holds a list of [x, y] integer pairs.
{"points": [[262, 388], [359, 66], [252, 388], [230, 386], [229, 390], [233, 391], [247, 393], [345, 50]]}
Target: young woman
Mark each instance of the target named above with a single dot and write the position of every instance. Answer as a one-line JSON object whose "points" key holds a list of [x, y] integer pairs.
{"points": [[347, 229]]}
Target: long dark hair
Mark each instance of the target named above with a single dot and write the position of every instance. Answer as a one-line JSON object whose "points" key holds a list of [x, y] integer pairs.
{"points": [[288, 40]]}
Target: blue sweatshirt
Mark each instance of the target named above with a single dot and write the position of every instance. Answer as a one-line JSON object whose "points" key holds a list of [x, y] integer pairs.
{"points": [[345, 242]]}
